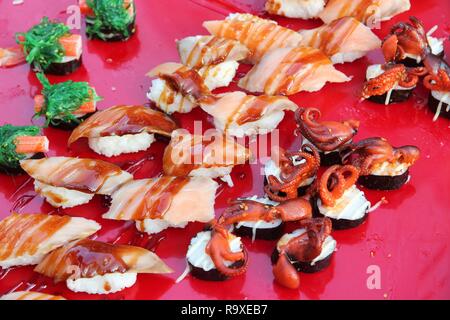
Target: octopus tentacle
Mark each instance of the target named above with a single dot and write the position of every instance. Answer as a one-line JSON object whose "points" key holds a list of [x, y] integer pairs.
{"points": [[335, 181]]}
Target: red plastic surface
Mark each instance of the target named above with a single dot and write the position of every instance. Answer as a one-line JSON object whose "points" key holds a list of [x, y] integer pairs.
{"points": [[407, 238]]}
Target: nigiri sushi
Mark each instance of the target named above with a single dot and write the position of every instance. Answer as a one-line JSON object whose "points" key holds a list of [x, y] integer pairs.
{"points": [[259, 35], [123, 129], [438, 82], [303, 9], [51, 48], [29, 295], [97, 267], [64, 105], [238, 114], [109, 20], [177, 87], [19, 143], [287, 71], [10, 57], [211, 155], [342, 40], [67, 182], [199, 51], [26, 238], [369, 12], [160, 203]]}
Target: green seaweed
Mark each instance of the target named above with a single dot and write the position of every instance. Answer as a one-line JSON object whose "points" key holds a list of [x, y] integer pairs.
{"points": [[9, 158]]}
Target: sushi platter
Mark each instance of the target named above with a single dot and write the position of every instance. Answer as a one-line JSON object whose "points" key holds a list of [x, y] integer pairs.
{"points": [[211, 149]]}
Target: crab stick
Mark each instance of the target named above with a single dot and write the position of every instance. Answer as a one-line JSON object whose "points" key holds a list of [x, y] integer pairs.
{"points": [[31, 144]]}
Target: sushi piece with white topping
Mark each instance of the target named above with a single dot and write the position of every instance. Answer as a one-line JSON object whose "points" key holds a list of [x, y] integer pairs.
{"points": [[303, 9]]}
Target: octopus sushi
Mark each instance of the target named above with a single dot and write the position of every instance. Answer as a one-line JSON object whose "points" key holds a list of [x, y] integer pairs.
{"points": [[438, 82], [109, 20], [66, 104], [123, 129], [382, 166], [97, 267], [308, 249], [216, 255], [408, 43], [239, 114], [210, 155], [303, 9], [20, 143], [342, 40], [68, 182], [51, 48], [261, 218], [259, 35], [160, 203], [390, 83], [289, 175], [29, 295], [339, 199], [287, 71], [177, 87], [369, 12], [329, 137], [27, 238]]}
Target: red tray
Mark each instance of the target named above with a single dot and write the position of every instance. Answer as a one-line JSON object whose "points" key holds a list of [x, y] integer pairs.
{"points": [[407, 238]]}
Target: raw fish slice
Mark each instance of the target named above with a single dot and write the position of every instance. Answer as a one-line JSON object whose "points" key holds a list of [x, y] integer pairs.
{"points": [[30, 295], [122, 120], [304, 9], [85, 175], [287, 71], [198, 51], [258, 35], [239, 114], [173, 199], [88, 258], [343, 40], [212, 155], [369, 12], [26, 238]]}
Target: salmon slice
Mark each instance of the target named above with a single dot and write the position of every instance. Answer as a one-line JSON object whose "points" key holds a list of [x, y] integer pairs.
{"points": [[91, 258], [121, 120], [85, 175], [30, 295], [343, 40], [31, 144], [239, 114], [26, 238], [258, 35], [11, 57], [304, 9], [167, 198], [72, 45], [369, 12], [196, 52], [287, 71]]}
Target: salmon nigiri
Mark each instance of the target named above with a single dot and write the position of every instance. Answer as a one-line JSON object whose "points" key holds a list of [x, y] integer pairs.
{"points": [[257, 34], [29, 295], [159, 203], [67, 182], [343, 40], [239, 114], [304, 9], [210, 155], [123, 129], [99, 268], [369, 12], [26, 238], [287, 71]]}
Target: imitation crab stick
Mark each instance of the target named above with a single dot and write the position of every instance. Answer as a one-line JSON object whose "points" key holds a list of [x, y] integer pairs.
{"points": [[31, 144], [39, 102], [11, 56], [71, 44]]}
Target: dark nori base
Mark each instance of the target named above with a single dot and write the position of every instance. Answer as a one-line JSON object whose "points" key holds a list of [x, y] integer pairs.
{"points": [[339, 224], [384, 182], [68, 126], [117, 36], [106, 200], [18, 170], [330, 159], [263, 234], [396, 96], [412, 63], [304, 267], [301, 191], [213, 274], [62, 69], [433, 104]]}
